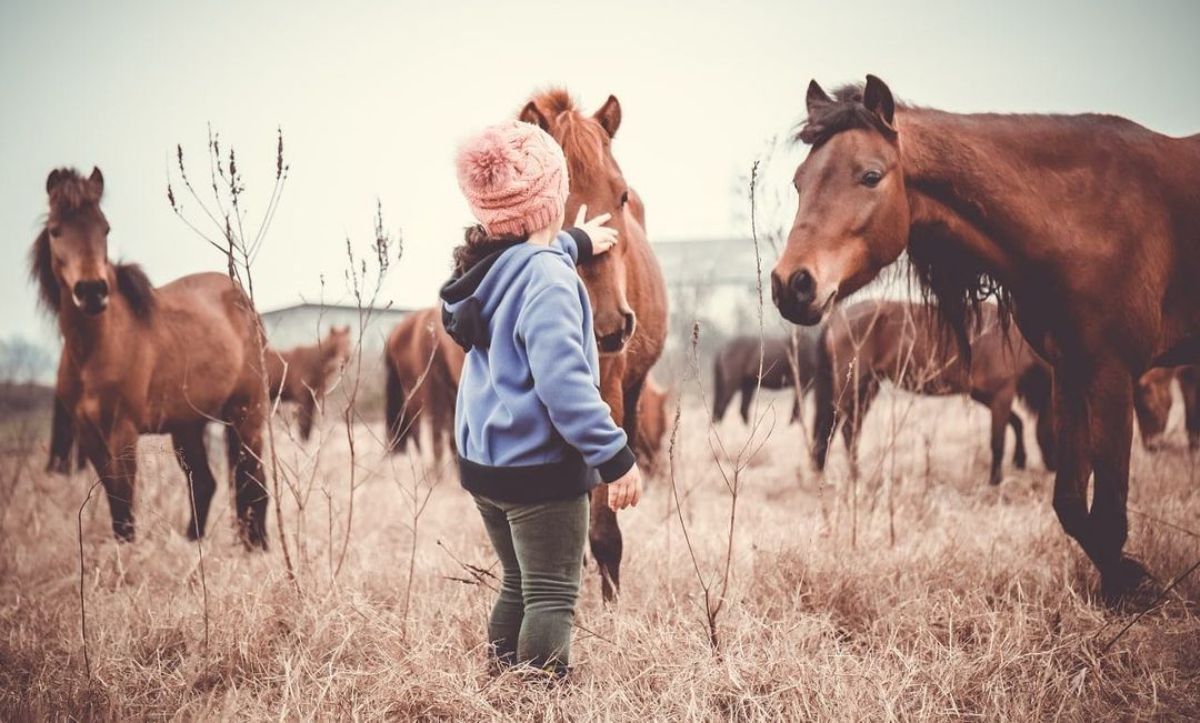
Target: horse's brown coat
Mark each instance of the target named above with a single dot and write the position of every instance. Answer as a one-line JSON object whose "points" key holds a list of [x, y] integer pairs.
{"points": [[625, 285], [1089, 224], [300, 374], [423, 368], [139, 359], [875, 341]]}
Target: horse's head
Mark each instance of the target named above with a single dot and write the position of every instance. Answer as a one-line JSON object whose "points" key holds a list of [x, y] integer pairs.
{"points": [[597, 182], [1152, 402], [335, 347], [853, 214], [72, 252]]}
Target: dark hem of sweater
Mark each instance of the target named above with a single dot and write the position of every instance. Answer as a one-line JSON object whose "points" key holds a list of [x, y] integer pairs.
{"points": [[541, 482]]}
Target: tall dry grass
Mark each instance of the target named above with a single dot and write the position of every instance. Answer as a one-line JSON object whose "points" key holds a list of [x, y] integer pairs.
{"points": [[954, 600]]}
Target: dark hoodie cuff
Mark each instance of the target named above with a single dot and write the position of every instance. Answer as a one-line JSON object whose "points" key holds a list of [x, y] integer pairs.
{"points": [[583, 243], [615, 468]]}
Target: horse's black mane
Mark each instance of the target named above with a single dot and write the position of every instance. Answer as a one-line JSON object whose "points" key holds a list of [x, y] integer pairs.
{"points": [[845, 112], [948, 277]]}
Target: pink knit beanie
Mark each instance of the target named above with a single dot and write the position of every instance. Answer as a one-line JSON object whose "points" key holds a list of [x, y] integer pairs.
{"points": [[514, 176]]}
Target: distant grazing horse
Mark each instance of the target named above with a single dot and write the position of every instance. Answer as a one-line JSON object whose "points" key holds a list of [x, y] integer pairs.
{"points": [[875, 341], [1152, 402], [625, 285], [300, 374], [736, 369], [1086, 227], [423, 368], [144, 360]]}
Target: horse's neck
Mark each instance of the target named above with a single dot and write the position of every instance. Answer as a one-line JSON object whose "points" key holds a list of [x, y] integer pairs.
{"points": [[977, 181], [88, 338]]}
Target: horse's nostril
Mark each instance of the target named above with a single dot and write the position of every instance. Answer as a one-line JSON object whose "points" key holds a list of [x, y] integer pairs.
{"points": [[91, 289], [803, 286], [630, 323]]}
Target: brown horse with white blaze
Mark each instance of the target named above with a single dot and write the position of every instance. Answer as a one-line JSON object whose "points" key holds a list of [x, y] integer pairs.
{"points": [[625, 285], [1087, 227], [133, 365]]}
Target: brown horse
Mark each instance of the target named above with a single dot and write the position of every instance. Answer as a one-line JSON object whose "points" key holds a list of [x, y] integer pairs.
{"points": [[736, 369], [652, 425], [1087, 228], [1152, 402], [871, 342], [423, 368], [132, 363], [625, 285], [300, 374]]}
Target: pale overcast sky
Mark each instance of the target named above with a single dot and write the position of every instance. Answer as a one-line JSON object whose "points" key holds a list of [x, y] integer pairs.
{"points": [[372, 98]]}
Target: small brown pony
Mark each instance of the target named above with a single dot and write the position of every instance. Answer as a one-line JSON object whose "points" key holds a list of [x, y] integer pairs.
{"points": [[144, 360], [301, 373], [1152, 403], [625, 285], [423, 368], [871, 342], [1087, 228]]}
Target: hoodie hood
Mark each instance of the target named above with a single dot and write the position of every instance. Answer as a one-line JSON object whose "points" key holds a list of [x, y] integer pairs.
{"points": [[471, 298]]}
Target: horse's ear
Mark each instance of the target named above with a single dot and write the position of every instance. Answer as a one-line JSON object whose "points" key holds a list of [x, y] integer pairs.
{"points": [[53, 179], [877, 97], [816, 96], [531, 114], [97, 181], [609, 115]]}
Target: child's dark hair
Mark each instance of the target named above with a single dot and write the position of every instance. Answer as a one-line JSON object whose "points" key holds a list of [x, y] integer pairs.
{"points": [[478, 245]]}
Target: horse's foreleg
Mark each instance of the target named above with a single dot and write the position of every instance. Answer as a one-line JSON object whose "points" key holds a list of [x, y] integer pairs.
{"points": [[1000, 406], [748, 389], [244, 438], [193, 459], [1110, 405], [308, 410], [604, 534], [1019, 455], [115, 455]]}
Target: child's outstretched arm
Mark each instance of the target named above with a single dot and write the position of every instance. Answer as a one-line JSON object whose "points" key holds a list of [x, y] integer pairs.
{"points": [[587, 238], [552, 328]]}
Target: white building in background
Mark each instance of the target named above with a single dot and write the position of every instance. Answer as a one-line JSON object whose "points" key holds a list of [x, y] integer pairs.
{"points": [[303, 324]]}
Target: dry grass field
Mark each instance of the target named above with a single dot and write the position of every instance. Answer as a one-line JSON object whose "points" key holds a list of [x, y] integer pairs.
{"points": [[919, 593]]}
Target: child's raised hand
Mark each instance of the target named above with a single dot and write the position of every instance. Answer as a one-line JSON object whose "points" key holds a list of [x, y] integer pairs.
{"points": [[603, 237], [626, 490]]}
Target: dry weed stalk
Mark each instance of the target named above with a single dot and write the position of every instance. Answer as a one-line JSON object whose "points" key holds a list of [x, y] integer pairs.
{"points": [[226, 213]]}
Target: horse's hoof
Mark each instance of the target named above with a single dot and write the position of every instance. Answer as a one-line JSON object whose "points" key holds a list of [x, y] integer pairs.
{"points": [[1127, 584]]}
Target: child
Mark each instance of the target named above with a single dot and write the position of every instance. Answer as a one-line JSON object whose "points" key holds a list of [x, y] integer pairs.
{"points": [[531, 428]]}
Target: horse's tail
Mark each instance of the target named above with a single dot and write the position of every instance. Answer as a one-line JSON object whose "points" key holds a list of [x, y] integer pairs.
{"points": [[826, 415], [397, 428]]}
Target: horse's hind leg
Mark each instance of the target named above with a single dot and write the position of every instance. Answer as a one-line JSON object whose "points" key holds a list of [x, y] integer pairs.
{"points": [[1189, 385], [308, 408], [244, 439], [193, 459], [1018, 427], [748, 389]]}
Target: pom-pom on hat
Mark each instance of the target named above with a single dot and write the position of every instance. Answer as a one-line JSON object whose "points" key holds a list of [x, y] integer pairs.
{"points": [[514, 176]]}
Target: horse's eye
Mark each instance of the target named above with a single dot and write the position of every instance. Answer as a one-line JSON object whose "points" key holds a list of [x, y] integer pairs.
{"points": [[55, 232], [871, 179], [624, 198]]}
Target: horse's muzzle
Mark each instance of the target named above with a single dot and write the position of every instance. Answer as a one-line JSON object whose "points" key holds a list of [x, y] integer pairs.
{"points": [[615, 342], [91, 296], [795, 299]]}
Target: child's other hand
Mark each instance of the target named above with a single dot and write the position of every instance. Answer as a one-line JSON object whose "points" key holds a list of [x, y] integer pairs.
{"points": [[626, 490], [603, 237]]}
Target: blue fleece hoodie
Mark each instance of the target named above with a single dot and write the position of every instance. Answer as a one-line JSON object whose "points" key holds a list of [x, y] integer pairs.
{"points": [[529, 421]]}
